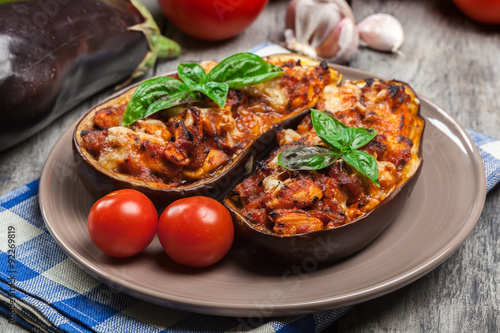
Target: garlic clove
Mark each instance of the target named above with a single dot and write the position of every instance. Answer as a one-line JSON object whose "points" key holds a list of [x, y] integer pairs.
{"points": [[342, 42], [381, 32], [321, 28], [292, 44]]}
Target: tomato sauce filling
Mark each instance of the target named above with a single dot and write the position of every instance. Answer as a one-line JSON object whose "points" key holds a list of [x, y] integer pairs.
{"points": [[286, 203], [169, 151]]}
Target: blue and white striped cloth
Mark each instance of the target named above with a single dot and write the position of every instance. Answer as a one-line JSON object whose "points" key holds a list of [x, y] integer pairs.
{"points": [[42, 289]]}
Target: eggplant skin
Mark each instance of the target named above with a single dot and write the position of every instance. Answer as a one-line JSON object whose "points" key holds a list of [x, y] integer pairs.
{"points": [[324, 246], [56, 53]]}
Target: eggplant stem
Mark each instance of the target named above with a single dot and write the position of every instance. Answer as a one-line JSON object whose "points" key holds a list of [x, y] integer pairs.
{"points": [[159, 45]]}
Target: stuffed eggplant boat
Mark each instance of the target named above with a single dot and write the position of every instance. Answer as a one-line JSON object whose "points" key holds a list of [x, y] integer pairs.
{"points": [[338, 180], [195, 132]]}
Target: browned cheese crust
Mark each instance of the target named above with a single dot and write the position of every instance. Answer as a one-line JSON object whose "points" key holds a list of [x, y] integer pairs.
{"points": [[286, 203], [167, 151]]}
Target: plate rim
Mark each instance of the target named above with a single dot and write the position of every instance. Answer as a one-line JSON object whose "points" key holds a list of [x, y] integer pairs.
{"points": [[332, 302]]}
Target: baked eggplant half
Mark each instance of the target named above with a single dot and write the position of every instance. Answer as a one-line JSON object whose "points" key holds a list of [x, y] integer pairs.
{"points": [[324, 196], [200, 145]]}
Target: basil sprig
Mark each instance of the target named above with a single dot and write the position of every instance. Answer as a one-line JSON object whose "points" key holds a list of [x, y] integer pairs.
{"points": [[160, 93], [342, 141]]}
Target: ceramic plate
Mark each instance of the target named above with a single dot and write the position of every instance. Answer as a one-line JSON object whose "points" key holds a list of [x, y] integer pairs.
{"points": [[442, 210]]}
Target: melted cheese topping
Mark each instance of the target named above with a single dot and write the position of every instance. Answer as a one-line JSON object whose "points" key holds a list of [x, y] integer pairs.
{"points": [[202, 138], [286, 202]]}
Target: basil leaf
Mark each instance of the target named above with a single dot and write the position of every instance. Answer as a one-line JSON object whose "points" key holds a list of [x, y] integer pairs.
{"points": [[181, 97], [327, 128], [352, 138], [160, 93], [360, 136], [307, 157], [343, 139], [239, 83], [365, 163], [191, 74], [215, 90], [194, 76], [243, 69], [150, 91]]}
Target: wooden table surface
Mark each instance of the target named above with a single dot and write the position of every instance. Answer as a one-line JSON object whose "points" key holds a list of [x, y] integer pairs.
{"points": [[447, 58]]}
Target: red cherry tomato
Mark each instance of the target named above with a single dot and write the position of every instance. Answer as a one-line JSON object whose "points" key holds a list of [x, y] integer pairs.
{"points": [[123, 223], [484, 11], [196, 231], [212, 19]]}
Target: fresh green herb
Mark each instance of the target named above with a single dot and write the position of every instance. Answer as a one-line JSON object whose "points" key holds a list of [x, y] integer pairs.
{"points": [[159, 93], [365, 163], [243, 69], [342, 141], [236, 71], [307, 157]]}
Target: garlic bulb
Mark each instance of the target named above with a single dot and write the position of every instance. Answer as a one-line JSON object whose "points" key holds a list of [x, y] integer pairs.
{"points": [[322, 28], [381, 32]]}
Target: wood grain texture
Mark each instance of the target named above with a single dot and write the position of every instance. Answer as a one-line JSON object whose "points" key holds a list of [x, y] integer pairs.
{"points": [[447, 58]]}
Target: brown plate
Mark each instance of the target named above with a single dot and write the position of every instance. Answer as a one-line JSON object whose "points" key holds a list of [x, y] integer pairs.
{"points": [[442, 210]]}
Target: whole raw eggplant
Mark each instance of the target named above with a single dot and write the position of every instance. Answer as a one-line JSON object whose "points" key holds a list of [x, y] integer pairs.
{"points": [[56, 53]]}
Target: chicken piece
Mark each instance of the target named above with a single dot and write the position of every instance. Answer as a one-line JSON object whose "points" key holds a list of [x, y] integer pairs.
{"points": [[93, 141], [330, 212], [184, 138], [387, 175], [287, 136], [109, 117], [399, 151], [376, 147], [176, 156], [209, 119], [250, 188], [350, 183], [194, 124], [154, 127], [214, 160], [297, 193], [294, 221], [135, 154], [146, 165], [258, 216], [178, 152]]}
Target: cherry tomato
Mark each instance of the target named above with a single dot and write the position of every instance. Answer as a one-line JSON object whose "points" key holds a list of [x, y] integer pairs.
{"points": [[212, 19], [484, 11], [196, 231], [123, 223]]}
